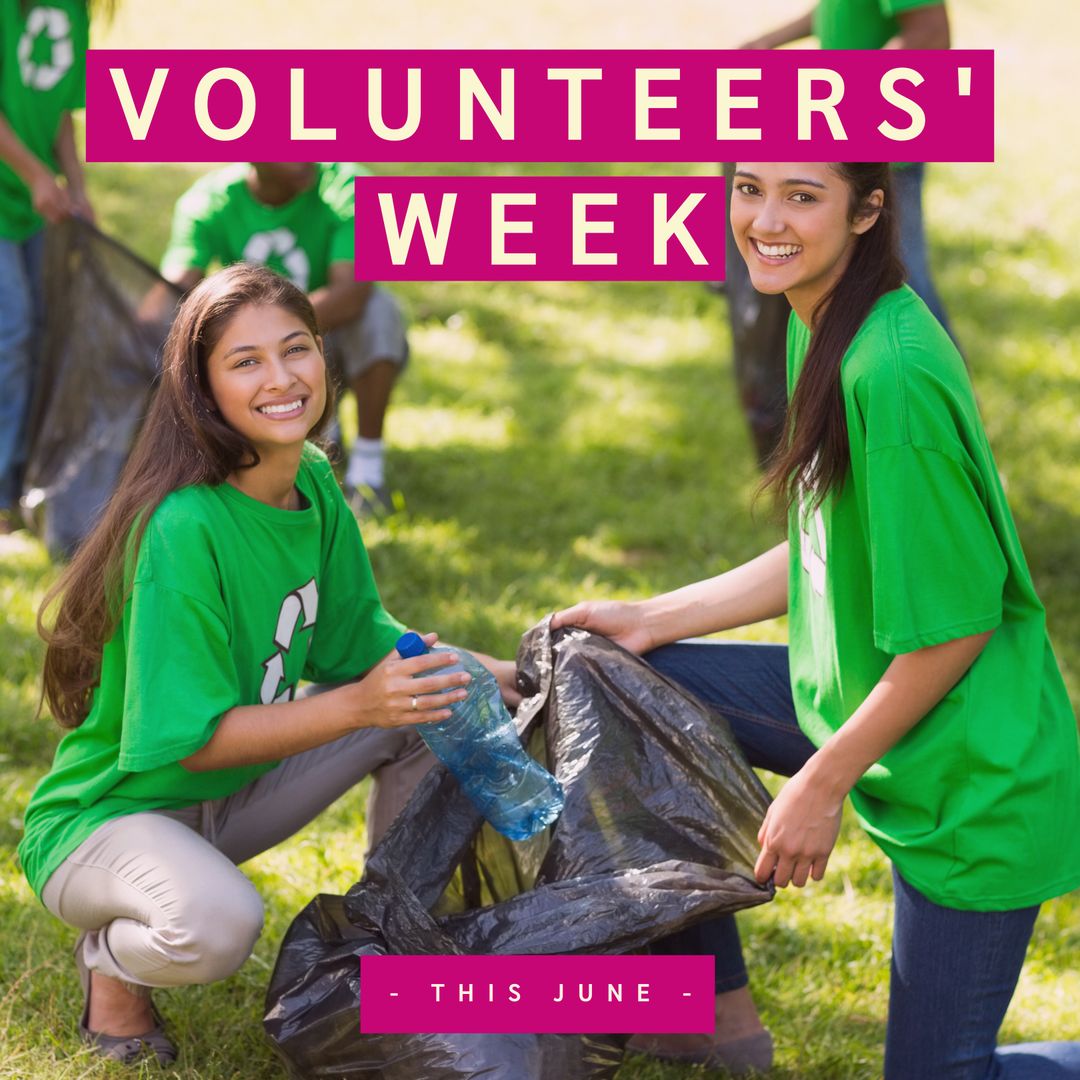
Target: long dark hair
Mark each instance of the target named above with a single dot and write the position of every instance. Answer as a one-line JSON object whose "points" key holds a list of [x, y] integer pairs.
{"points": [[813, 453], [183, 441]]}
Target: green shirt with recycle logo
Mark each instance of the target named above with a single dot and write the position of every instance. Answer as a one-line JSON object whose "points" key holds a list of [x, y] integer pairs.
{"points": [[978, 806], [42, 76], [218, 220], [232, 603]]}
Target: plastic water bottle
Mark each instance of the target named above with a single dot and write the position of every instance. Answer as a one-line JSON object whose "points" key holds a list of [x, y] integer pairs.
{"points": [[480, 746]]}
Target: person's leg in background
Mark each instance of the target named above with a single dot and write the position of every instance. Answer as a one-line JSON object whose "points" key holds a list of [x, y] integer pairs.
{"points": [[908, 183], [372, 352], [759, 344], [21, 290], [953, 976], [751, 686]]}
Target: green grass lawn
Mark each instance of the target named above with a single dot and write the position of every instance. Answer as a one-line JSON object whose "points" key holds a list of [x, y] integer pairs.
{"points": [[557, 442]]}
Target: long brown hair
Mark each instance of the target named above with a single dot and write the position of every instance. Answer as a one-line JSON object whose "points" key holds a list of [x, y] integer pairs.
{"points": [[813, 453], [183, 441]]}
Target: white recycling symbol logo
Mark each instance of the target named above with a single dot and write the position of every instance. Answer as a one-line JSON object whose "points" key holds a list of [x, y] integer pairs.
{"points": [[302, 602], [812, 547], [56, 27], [280, 244]]}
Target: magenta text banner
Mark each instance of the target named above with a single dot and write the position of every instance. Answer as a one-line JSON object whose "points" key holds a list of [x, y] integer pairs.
{"points": [[539, 105], [551, 228], [537, 993]]}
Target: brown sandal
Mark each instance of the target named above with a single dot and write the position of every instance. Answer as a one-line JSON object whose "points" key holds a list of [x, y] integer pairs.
{"points": [[126, 1049]]}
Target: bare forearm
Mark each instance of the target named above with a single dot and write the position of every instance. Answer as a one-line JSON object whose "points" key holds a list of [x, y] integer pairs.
{"points": [[911, 686], [13, 152], [68, 156], [795, 30], [184, 280], [922, 28], [505, 672], [338, 303], [394, 693], [801, 825], [254, 734], [749, 593]]}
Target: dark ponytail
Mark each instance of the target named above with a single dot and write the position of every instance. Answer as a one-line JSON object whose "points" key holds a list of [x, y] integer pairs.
{"points": [[813, 453]]}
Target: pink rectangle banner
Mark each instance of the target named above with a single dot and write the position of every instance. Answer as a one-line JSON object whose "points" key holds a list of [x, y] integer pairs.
{"points": [[551, 228], [610, 994], [539, 105]]}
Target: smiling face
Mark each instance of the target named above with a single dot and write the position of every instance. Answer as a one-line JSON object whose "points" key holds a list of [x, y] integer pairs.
{"points": [[794, 227], [268, 377]]}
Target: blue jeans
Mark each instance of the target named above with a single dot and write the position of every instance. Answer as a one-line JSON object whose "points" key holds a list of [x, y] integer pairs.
{"points": [[953, 972], [908, 192], [21, 323]]}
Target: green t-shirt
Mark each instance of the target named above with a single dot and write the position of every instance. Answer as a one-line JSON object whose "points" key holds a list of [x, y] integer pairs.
{"points": [[218, 220], [861, 24], [42, 76], [232, 603], [979, 804]]}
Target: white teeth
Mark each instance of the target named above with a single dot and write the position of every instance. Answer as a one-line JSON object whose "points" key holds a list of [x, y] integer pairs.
{"points": [[776, 251], [290, 406]]}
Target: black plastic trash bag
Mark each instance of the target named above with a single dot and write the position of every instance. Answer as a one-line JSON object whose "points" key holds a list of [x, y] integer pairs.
{"points": [[658, 832], [106, 316]]}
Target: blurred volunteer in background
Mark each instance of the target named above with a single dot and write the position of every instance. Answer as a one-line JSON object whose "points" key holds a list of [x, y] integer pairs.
{"points": [[42, 79]]}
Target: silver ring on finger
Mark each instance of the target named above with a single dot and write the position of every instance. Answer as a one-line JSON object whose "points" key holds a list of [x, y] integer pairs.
{"points": [[414, 703]]}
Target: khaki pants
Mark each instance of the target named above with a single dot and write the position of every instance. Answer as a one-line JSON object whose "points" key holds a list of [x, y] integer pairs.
{"points": [[159, 895]]}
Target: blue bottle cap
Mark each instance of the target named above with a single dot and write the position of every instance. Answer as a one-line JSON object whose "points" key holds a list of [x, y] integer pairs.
{"points": [[411, 644]]}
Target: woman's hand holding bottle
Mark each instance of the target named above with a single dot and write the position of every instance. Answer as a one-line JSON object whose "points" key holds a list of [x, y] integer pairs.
{"points": [[391, 695]]}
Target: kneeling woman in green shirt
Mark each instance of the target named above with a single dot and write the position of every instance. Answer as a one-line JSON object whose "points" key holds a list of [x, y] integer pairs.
{"points": [[226, 568], [919, 678]]}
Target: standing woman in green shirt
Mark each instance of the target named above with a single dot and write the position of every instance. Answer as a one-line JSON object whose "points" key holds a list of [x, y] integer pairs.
{"points": [[42, 79], [919, 679], [226, 568]]}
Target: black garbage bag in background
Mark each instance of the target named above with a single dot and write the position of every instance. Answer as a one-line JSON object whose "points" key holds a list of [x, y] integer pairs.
{"points": [[658, 832], [98, 361]]}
